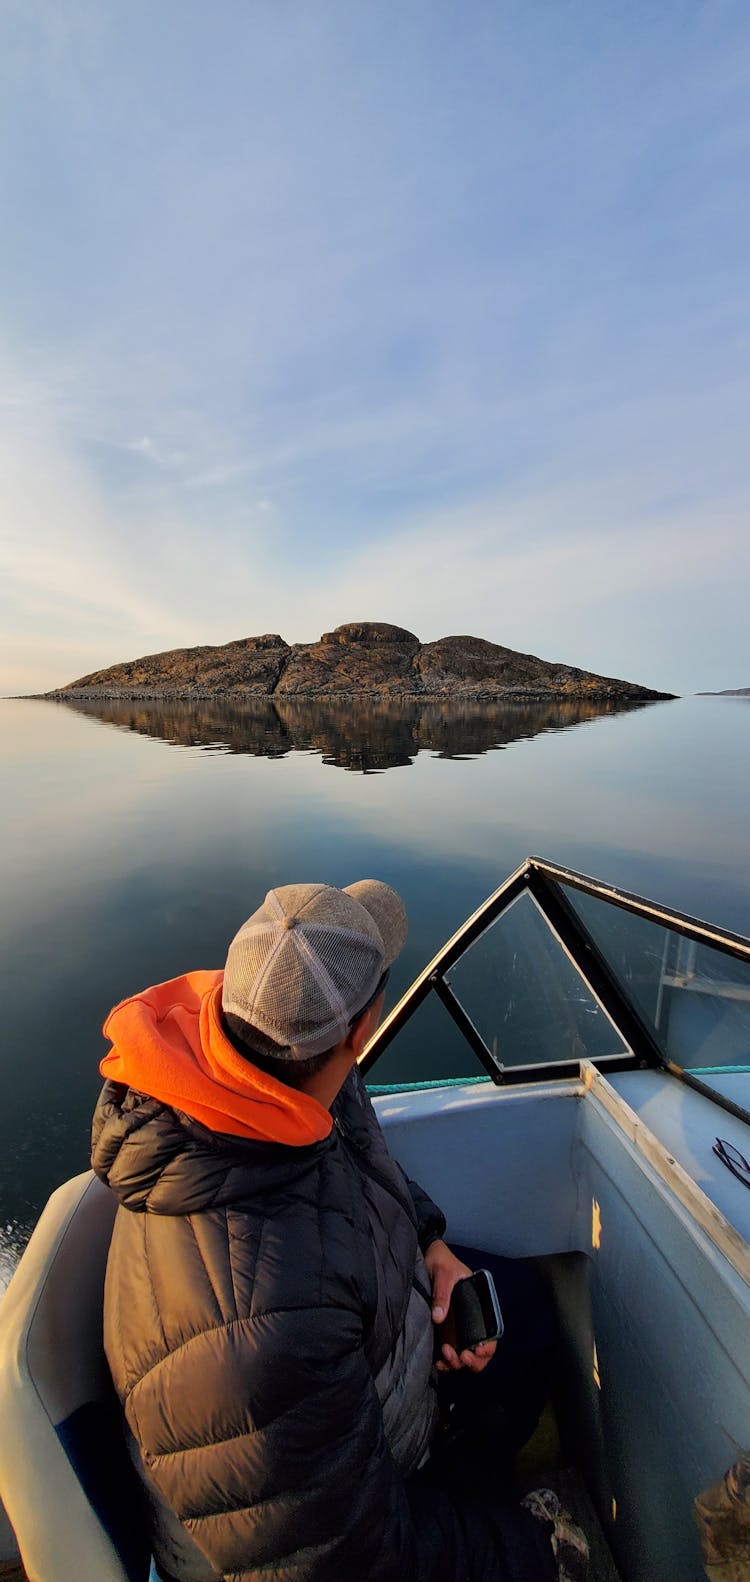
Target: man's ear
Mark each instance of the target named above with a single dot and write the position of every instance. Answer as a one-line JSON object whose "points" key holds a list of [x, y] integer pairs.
{"points": [[362, 1031]]}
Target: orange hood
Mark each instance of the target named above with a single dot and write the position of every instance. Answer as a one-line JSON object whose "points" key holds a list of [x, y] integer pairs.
{"points": [[168, 1042]]}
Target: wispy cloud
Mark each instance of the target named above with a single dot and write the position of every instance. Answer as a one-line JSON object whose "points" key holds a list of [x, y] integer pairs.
{"points": [[144, 446], [468, 306], [529, 573]]}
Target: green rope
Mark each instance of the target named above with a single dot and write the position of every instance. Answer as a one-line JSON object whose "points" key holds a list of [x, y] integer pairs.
{"points": [[421, 1087], [716, 1071]]}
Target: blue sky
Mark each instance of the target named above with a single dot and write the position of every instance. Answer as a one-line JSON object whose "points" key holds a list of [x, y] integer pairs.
{"points": [[433, 312]]}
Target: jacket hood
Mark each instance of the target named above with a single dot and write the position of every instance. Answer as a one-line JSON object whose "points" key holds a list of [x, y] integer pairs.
{"points": [[157, 1160], [168, 1043]]}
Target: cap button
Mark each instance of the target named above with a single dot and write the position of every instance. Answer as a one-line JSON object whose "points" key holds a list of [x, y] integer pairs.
{"points": [[289, 922]]}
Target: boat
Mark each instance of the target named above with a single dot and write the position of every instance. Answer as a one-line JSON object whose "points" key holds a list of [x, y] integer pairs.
{"points": [[597, 1120]]}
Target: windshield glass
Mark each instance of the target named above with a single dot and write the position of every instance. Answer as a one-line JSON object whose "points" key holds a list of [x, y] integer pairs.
{"points": [[694, 999], [525, 997]]}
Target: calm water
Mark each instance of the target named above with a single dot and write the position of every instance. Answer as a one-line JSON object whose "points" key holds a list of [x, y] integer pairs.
{"points": [[136, 842]]}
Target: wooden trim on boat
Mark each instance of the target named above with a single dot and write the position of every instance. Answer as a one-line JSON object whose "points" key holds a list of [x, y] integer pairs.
{"points": [[722, 1235]]}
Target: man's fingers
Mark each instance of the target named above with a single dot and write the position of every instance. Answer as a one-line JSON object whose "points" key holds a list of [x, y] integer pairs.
{"points": [[444, 1270], [441, 1295], [474, 1361]]}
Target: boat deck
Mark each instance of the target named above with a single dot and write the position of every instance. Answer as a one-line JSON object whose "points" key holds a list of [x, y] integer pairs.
{"points": [[688, 1123]]}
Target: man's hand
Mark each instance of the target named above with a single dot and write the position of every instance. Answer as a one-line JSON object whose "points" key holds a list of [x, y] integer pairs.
{"points": [[445, 1269]]}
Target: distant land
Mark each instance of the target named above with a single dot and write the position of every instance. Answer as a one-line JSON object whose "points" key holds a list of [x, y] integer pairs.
{"points": [[728, 692], [363, 658]]}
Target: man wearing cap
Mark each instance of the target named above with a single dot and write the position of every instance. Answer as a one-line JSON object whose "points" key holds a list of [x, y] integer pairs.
{"points": [[274, 1279]]}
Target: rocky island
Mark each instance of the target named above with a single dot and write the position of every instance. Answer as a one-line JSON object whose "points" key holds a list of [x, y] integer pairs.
{"points": [[360, 659]]}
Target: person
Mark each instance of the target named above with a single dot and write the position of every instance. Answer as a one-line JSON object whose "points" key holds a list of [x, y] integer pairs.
{"points": [[274, 1281]]}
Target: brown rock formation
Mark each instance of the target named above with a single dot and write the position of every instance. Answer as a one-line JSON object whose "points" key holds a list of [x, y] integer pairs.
{"points": [[361, 659], [249, 666], [472, 667]]}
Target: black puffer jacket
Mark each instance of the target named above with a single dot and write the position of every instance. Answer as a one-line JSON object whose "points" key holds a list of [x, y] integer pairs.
{"points": [[268, 1330]]}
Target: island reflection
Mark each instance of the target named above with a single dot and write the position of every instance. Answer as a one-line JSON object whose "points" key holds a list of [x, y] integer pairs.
{"points": [[365, 736]]}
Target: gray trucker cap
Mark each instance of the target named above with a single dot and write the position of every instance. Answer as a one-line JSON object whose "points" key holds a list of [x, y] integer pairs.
{"points": [[309, 959]]}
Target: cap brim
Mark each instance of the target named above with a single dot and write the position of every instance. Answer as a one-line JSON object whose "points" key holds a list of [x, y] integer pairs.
{"points": [[387, 911]]}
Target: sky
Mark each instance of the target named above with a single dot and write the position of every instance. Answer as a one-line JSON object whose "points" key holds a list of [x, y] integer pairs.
{"points": [[434, 312]]}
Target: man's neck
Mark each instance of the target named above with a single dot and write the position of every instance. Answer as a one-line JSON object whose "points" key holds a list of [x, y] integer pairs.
{"points": [[326, 1084]]}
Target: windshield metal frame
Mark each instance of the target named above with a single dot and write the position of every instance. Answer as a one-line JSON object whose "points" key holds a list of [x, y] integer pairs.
{"points": [[544, 881]]}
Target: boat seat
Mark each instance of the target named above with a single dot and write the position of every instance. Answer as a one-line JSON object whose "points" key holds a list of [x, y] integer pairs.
{"points": [[60, 1421]]}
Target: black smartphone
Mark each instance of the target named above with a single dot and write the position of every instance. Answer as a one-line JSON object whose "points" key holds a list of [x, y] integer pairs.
{"points": [[474, 1313]]}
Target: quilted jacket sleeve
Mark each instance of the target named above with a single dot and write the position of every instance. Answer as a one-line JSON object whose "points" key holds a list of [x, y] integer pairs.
{"points": [[296, 1482], [431, 1221]]}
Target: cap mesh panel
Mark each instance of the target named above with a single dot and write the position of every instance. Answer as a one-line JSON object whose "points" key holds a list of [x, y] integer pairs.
{"points": [[274, 987]]}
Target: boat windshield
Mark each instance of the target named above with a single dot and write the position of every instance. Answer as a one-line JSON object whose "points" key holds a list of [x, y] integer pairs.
{"points": [[526, 998], [556, 968], [693, 997]]}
